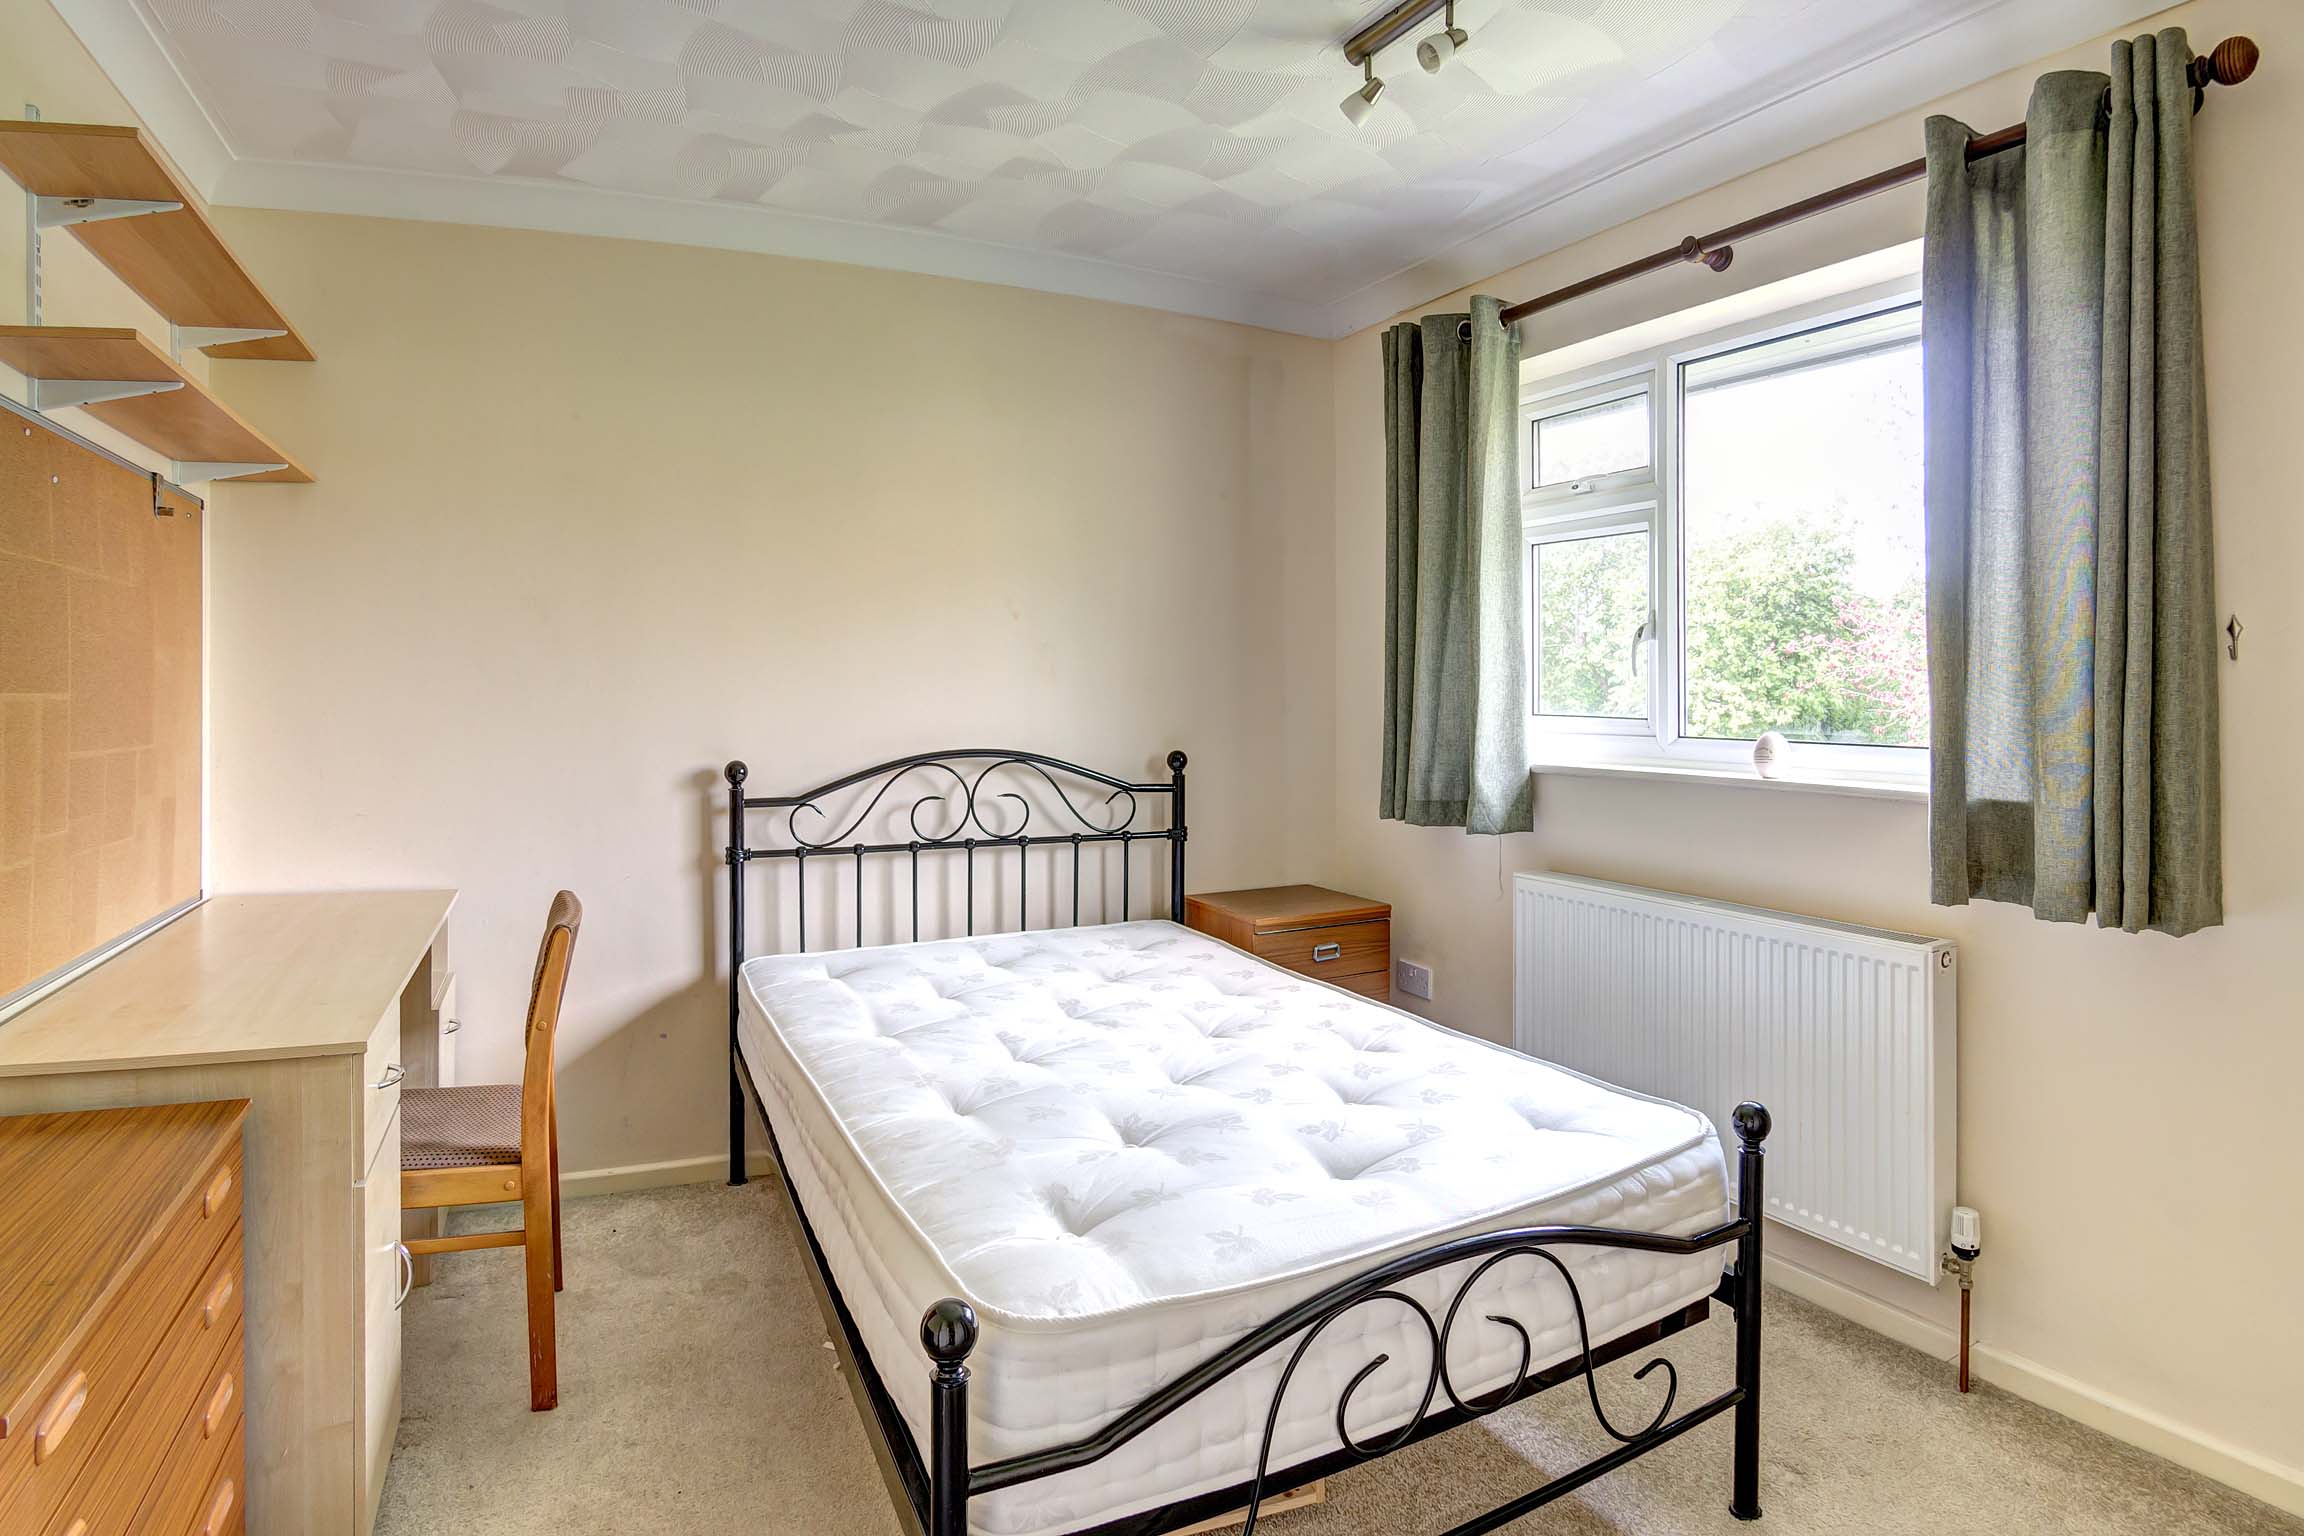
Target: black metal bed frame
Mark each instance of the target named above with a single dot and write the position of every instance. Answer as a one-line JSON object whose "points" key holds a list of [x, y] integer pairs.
{"points": [[932, 1494]]}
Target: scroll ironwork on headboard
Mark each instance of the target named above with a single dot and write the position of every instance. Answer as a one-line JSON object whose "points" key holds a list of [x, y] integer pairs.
{"points": [[955, 804]]}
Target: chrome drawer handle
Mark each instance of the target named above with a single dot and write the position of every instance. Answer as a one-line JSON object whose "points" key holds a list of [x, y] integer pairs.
{"points": [[407, 1275], [451, 1026], [391, 1078], [1328, 951]]}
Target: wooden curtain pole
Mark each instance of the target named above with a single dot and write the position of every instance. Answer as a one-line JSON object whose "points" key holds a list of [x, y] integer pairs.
{"points": [[2228, 63]]}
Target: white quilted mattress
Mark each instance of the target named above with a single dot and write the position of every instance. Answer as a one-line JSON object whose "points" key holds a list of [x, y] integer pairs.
{"points": [[1127, 1145]]}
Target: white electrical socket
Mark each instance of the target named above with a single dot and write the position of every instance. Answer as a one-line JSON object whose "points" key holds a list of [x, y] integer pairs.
{"points": [[1416, 979]]}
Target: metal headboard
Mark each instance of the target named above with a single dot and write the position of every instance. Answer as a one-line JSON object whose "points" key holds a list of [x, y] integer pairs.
{"points": [[954, 815]]}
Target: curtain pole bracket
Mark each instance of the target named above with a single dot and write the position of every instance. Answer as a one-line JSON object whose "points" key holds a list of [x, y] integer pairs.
{"points": [[1717, 258]]}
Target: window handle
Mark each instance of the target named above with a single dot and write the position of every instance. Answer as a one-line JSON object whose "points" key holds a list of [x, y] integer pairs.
{"points": [[1642, 633]]}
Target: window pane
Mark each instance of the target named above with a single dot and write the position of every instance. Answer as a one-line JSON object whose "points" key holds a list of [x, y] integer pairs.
{"points": [[1591, 601], [1595, 440], [1802, 538]]}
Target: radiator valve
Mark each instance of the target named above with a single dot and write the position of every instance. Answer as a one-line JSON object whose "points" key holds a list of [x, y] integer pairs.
{"points": [[1965, 1247]]}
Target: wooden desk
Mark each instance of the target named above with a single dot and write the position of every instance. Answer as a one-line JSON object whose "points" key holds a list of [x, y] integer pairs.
{"points": [[299, 1004]]}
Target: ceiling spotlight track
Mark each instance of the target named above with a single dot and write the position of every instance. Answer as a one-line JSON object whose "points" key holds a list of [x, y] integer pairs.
{"points": [[1392, 26], [1433, 52]]}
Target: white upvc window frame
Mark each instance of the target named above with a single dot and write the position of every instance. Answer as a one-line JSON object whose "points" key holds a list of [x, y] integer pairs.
{"points": [[1651, 498]]}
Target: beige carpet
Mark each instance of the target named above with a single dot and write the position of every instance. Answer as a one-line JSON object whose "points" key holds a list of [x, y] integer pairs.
{"points": [[697, 1397]]}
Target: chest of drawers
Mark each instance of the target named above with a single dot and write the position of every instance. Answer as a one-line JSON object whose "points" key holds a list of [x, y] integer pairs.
{"points": [[121, 1345], [1324, 934]]}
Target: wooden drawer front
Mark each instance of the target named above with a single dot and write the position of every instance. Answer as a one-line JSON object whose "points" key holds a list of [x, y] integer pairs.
{"points": [[1346, 949], [193, 1487], [199, 1357], [80, 1406], [380, 1073], [1375, 984]]}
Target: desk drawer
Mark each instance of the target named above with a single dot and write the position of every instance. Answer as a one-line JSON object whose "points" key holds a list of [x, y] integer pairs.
{"points": [[1338, 950], [84, 1399], [380, 1074], [389, 1273]]}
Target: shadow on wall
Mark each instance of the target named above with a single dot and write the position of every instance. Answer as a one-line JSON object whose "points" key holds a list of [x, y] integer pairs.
{"points": [[638, 1081]]}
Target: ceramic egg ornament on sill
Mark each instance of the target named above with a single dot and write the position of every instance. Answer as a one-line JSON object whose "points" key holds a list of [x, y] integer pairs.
{"points": [[1769, 752]]}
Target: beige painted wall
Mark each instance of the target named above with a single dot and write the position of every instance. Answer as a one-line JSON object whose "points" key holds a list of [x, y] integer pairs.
{"points": [[593, 516], [2129, 1106]]}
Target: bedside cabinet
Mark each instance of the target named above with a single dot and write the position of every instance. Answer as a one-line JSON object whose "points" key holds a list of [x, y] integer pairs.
{"points": [[1324, 934]]}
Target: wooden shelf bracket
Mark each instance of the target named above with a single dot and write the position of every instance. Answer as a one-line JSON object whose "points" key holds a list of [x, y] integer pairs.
{"points": [[55, 394], [57, 212]]}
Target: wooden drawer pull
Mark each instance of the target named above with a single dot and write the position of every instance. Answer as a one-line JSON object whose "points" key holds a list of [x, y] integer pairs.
{"points": [[219, 1297], [219, 1511], [1328, 951], [63, 1412], [77, 1528], [218, 1188], [218, 1402]]}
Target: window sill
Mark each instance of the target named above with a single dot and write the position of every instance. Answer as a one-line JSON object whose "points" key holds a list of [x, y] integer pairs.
{"points": [[1910, 790]]}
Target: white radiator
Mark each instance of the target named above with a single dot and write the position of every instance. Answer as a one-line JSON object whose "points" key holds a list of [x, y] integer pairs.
{"points": [[1845, 1033]]}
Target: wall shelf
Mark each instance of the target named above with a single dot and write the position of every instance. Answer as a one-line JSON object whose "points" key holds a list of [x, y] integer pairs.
{"points": [[109, 187], [130, 385]]}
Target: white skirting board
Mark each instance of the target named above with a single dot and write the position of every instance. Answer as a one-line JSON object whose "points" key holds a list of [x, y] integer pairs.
{"points": [[683, 1170], [2253, 1474]]}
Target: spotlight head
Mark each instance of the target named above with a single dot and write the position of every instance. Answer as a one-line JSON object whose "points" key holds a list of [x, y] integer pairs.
{"points": [[1361, 102], [1440, 47]]}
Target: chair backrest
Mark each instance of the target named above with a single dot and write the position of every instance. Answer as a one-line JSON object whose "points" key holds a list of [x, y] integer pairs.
{"points": [[544, 995]]}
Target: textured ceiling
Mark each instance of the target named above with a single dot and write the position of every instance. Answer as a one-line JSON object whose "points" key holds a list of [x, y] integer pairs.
{"points": [[1194, 138]]}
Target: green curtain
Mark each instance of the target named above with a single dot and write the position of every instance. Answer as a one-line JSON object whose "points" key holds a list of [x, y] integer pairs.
{"points": [[1455, 614], [2071, 610]]}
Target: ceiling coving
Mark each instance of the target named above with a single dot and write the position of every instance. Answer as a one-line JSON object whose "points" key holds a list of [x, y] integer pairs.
{"points": [[1191, 142]]}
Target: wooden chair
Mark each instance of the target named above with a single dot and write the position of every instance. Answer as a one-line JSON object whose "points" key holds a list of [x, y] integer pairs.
{"points": [[489, 1143]]}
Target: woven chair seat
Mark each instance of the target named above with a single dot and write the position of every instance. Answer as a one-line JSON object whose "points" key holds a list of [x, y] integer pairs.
{"points": [[467, 1126]]}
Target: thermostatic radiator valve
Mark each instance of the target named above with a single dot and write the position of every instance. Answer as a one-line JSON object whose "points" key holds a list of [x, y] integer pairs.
{"points": [[1960, 1256]]}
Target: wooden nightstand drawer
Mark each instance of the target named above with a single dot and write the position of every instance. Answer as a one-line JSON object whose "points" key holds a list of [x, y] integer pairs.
{"points": [[1331, 952], [1307, 928]]}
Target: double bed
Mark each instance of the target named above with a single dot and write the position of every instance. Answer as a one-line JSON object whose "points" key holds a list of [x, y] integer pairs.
{"points": [[1119, 1228]]}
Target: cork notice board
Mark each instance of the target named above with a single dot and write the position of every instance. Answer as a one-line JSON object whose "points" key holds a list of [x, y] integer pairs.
{"points": [[99, 702]]}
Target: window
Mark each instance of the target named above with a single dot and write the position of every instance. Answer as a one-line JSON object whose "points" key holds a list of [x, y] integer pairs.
{"points": [[1725, 539]]}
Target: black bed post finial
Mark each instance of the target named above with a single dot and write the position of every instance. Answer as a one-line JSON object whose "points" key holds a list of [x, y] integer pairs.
{"points": [[1176, 839], [948, 1333], [735, 773], [1752, 1125]]}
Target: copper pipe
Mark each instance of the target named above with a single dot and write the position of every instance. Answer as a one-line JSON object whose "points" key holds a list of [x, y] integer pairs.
{"points": [[1963, 1336], [2228, 63]]}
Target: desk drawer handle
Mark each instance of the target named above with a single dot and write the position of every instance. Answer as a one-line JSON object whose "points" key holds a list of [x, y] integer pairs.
{"points": [[218, 1188], [222, 1508], [63, 1412], [391, 1078], [1328, 951], [217, 1403], [219, 1296]]}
